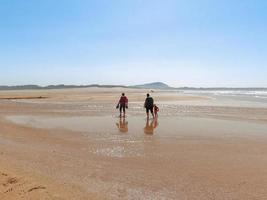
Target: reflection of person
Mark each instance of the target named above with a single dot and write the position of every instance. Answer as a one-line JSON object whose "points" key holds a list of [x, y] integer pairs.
{"points": [[122, 125], [123, 104], [149, 103], [149, 128]]}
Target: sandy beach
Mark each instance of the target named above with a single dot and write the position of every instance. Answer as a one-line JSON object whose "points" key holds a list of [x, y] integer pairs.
{"points": [[71, 144]]}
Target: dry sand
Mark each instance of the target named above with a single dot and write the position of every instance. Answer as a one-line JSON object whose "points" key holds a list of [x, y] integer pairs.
{"points": [[70, 144]]}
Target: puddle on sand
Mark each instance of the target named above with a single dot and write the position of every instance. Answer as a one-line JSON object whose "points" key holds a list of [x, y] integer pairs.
{"points": [[134, 126], [126, 137], [137, 150], [99, 124]]}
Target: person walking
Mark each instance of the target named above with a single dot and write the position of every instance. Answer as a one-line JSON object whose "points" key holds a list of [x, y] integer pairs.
{"points": [[148, 105], [123, 104]]}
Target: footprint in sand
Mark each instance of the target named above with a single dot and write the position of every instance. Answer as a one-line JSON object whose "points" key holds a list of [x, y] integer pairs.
{"points": [[3, 174], [9, 190], [37, 188], [12, 180]]}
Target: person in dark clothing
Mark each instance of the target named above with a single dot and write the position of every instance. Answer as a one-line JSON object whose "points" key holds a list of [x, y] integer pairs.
{"points": [[123, 104], [149, 104]]}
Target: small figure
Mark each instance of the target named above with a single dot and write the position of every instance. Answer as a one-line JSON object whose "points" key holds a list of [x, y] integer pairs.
{"points": [[156, 110], [122, 104]]}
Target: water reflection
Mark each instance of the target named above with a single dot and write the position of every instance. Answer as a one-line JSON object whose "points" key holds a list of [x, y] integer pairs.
{"points": [[151, 126], [122, 125]]}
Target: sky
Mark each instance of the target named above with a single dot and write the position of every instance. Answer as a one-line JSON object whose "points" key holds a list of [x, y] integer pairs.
{"points": [[198, 43]]}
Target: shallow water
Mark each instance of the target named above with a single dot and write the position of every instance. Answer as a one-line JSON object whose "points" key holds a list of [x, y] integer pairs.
{"points": [[167, 158], [249, 95], [137, 126]]}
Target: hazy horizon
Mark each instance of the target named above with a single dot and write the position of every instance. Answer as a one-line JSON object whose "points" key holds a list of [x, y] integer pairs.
{"points": [[188, 43], [117, 85]]}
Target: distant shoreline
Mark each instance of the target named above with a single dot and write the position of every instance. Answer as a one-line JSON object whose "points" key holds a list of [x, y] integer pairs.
{"points": [[145, 86]]}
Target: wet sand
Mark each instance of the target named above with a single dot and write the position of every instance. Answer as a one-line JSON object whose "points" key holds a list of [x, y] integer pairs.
{"points": [[73, 145]]}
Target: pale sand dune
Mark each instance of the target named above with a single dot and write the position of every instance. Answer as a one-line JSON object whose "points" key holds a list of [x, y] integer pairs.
{"points": [[72, 146]]}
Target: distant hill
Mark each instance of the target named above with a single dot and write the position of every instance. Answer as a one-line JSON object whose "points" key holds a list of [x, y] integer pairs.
{"points": [[155, 85]]}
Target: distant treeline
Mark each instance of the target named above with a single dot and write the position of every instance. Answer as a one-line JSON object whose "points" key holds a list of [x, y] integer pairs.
{"points": [[37, 87], [157, 85]]}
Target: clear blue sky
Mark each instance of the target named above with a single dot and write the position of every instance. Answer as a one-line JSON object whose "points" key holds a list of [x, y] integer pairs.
{"points": [[180, 42]]}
